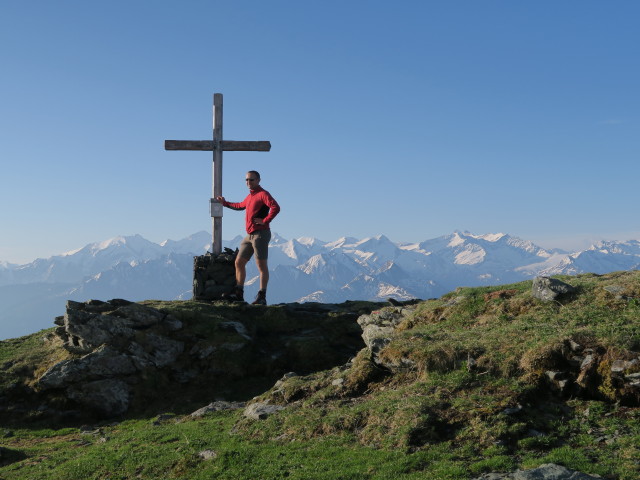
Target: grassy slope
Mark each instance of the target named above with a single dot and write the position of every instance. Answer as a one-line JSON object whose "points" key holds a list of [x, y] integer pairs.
{"points": [[433, 418]]}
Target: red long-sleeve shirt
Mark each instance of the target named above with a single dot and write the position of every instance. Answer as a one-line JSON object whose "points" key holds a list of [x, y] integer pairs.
{"points": [[259, 203]]}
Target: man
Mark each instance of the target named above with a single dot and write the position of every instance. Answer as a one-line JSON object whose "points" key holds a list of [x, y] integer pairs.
{"points": [[260, 208]]}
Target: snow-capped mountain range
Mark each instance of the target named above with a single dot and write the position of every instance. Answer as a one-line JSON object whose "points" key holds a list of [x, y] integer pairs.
{"points": [[302, 269]]}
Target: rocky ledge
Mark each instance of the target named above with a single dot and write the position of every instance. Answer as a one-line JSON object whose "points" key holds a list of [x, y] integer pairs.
{"points": [[135, 357]]}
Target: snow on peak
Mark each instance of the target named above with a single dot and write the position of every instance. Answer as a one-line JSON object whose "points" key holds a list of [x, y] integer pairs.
{"points": [[198, 243], [490, 237], [317, 296], [386, 290], [96, 247], [342, 242], [313, 264], [276, 239], [376, 240], [71, 252], [201, 235], [308, 241], [456, 240], [470, 256], [115, 241], [459, 237], [629, 247]]}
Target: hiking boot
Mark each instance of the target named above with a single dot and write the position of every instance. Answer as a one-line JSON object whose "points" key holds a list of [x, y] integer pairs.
{"points": [[261, 298], [235, 295]]}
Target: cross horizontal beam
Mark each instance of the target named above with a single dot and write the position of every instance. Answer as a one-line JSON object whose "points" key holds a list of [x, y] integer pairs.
{"points": [[227, 145]]}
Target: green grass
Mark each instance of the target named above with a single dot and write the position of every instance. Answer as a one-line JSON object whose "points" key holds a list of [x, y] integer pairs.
{"points": [[435, 417], [139, 449], [28, 356]]}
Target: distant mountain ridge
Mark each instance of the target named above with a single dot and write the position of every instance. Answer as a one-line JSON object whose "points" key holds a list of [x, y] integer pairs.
{"points": [[302, 269]]}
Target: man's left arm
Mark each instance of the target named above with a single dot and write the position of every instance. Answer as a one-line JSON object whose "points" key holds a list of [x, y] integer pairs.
{"points": [[274, 208]]}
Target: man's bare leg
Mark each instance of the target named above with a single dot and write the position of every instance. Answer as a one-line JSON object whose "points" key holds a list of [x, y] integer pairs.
{"points": [[264, 273], [241, 271]]}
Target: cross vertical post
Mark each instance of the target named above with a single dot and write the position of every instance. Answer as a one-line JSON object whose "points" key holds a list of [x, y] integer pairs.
{"points": [[216, 208]]}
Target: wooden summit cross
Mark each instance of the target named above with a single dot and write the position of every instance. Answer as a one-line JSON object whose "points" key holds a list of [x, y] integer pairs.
{"points": [[217, 145]]}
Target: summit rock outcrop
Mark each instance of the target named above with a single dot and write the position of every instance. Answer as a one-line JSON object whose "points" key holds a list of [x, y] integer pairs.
{"points": [[125, 356]]}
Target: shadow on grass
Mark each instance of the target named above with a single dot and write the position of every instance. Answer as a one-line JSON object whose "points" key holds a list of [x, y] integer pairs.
{"points": [[9, 456]]}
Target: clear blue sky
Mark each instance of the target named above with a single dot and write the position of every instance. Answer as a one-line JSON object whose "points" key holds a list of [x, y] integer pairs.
{"points": [[409, 118]]}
